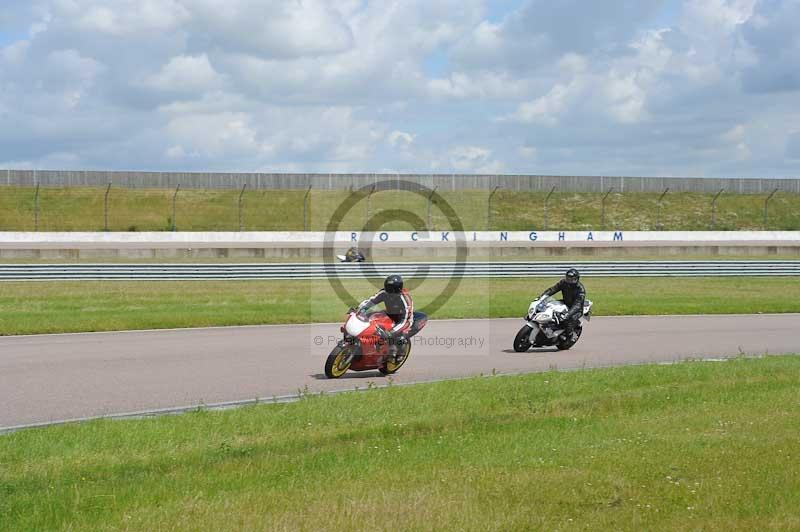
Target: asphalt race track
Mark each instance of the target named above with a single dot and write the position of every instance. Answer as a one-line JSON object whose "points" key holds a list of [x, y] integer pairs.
{"points": [[57, 377]]}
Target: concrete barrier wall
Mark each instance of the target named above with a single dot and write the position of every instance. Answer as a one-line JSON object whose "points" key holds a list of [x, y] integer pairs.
{"points": [[444, 182], [409, 245]]}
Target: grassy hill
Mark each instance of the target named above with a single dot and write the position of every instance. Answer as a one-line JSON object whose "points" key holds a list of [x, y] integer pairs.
{"points": [[83, 209]]}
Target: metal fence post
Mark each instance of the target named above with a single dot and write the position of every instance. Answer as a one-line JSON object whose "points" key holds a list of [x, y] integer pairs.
{"points": [[766, 203], [489, 209], [36, 208], [305, 208], [546, 200], [241, 194], [603, 209], [714, 208], [174, 199], [658, 209], [105, 208], [430, 201], [369, 202]]}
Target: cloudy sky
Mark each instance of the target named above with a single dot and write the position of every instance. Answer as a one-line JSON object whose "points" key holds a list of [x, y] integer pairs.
{"points": [[619, 87]]}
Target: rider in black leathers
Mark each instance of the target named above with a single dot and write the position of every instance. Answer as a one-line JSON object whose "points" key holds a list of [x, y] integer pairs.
{"points": [[573, 295]]}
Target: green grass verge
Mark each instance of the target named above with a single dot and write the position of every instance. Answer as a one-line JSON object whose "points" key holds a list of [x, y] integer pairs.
{"points": [[693, 446], [83, 209], [47, 307]]}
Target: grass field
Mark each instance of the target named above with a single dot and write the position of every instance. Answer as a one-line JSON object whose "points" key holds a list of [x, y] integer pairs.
{"points": [[83, 209], [47, 307], [692, 446]]}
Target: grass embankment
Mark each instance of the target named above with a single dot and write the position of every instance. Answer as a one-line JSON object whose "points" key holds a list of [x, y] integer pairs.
{"points": [[693, 446], [47, 307], [82, 209]]}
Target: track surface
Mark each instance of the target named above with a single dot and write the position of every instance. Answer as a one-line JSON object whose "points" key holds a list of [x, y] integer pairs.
{"points": [[56, 377]]}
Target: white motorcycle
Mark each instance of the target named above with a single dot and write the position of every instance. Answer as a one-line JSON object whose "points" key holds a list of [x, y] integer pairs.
{"points": [[543, 325]]}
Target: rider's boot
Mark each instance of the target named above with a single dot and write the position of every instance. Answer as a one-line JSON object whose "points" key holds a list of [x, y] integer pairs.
{"points": [[396, 346], [568, 334], [391, 351]]}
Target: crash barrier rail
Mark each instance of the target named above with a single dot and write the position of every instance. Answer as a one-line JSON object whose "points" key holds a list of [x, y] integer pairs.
{"points": [[185, 272]]}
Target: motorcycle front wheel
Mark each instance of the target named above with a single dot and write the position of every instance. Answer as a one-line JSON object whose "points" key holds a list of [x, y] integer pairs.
{"points": [[338, 362], [522, 341]]}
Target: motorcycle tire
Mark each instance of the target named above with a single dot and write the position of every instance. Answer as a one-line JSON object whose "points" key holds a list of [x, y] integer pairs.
{"points": [[563, 346], [522, 341], [338, 362], [390, 367]]}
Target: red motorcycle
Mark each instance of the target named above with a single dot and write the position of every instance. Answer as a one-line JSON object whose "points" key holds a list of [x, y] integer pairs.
{"points": [[362, 348]]}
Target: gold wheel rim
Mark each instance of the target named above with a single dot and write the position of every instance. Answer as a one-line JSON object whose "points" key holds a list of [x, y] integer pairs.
{"points": [[394, 366], [336, 369]]}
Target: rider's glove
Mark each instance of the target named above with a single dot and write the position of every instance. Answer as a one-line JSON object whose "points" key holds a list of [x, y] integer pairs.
{"points": [[383, 333]]}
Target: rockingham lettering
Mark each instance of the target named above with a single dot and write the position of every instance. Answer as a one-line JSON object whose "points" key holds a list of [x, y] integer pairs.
{"points": [[529, 236]]}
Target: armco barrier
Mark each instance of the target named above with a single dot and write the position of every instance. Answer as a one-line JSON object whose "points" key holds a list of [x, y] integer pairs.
{"points": [[152, 272]]}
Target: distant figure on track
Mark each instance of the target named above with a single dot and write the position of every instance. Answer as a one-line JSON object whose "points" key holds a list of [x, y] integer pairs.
{"points": [[352, 255]]}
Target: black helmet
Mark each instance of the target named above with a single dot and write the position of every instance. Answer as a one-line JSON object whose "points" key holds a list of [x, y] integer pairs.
{"points": [[572, 276], [393, 284]]}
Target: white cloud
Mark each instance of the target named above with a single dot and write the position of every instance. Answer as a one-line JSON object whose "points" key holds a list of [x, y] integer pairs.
{"points": [[547, 109], [624, 97], [401, 139], [472, 159], [771, 45], [186, 73], [126, 18], [274, 28], [734, 135], [15, 52], [484, 84]]}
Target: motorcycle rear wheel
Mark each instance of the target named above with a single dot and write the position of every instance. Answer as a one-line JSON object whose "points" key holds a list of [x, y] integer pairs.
{"points": [[522, 341], [338, 362], [390, 367]]}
